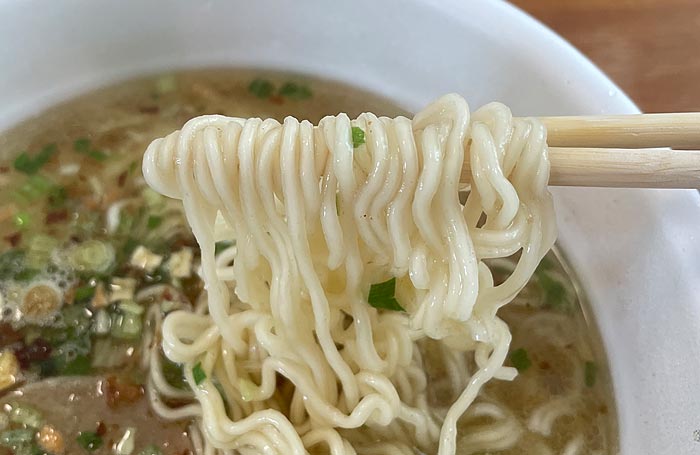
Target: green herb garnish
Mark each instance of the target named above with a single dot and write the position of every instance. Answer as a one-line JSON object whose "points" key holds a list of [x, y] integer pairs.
{"points": [[57, 196], [295, 91], [198, 373], [21, 220], [154, 221], [358, 136], [89, 440], [381, 296], [33, 188], [84, 293], [262, 88], [84, 147], [173, 373], [555, 295], [31, 164], [590, 371], [520, 360], [222, 245]]}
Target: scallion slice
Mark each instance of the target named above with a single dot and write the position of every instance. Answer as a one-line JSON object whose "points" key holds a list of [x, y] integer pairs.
{"points": [[381, 296]]}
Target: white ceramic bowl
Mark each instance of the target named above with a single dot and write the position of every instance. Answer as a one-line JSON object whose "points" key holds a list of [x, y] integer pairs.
{"points": [[637, 253]]}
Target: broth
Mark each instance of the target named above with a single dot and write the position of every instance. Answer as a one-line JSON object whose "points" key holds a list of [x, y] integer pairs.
{"points": [[88, 252]]}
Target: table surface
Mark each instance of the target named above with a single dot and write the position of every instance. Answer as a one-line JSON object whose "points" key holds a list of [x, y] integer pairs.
{"points": [[650, 48]]}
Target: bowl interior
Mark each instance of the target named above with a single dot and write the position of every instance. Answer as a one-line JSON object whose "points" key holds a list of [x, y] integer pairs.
{"points": [[635, 252]]}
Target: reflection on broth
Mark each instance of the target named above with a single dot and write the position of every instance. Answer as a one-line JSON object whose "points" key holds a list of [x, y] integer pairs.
{"points": [[92, 259]]}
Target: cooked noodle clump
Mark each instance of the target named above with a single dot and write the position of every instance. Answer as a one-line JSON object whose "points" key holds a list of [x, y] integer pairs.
{"points": [[287, 355]]}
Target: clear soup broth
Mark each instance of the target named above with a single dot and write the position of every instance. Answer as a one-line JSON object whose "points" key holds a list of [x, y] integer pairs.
{"points": [[90, 254]]}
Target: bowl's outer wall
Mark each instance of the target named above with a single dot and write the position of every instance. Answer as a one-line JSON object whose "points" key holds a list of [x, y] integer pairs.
{"points": [[637, 253]]}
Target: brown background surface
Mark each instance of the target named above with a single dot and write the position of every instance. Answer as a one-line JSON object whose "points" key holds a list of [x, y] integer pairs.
{"points": [[650, 48]]}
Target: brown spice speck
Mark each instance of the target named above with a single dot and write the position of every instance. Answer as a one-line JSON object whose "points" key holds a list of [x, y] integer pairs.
{"points": [[14, 239], [277, 99], [149, 109], [121, 391], [121, 180], [56, 216]]}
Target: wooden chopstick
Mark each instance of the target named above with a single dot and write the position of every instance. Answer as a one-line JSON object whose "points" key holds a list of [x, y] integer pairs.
{"points": [[675, 130], [620, 168], [624, 151], [624, 168]]}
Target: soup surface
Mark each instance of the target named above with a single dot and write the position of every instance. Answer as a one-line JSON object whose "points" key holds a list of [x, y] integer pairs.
{"points": [[91, 259]]}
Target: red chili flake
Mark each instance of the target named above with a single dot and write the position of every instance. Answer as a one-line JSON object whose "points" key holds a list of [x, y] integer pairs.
{"points": [[4, 169], [120, 391], [167, 295], [14, 239], [39, 350], [101, 429], [276, 99], [544, 365], [151, 109], [56, 216], [121, 180]]}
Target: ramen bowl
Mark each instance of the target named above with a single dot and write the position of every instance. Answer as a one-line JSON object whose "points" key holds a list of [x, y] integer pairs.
{"points": [[635, 253]]}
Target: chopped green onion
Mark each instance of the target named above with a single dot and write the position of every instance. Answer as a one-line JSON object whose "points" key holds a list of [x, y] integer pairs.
{"points": [[84, 293], [26, 415], [89, 440], [295, 91], [262, 88], [381, 296], [35, 187], [126, 326], [358, 136], [14, 439], [78, 366], [76, 321], [21, 220], [84, 147], [520, 360], [173, 374], [92, 256], [26, 274], [57, 196], [151, 450], [131, 307], [590, 372], [198, 373], [154, 221], [31, 164], [222, 245], [133, 166], [555, 294]]}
